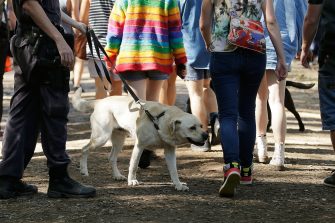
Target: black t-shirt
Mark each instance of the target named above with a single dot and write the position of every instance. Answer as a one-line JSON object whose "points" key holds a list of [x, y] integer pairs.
{"points": [[327, 42], [51, 8]]}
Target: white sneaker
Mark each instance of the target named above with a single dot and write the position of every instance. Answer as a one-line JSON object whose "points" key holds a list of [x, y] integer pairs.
{"points": [[278, 157], [261, 150]]}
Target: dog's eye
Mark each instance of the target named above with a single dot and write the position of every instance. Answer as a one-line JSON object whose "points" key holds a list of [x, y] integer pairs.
{"points": [[193, 128], [200, 126]]}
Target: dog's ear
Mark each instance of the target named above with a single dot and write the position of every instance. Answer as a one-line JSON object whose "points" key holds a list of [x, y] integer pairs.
{"points": [[174, 125]]}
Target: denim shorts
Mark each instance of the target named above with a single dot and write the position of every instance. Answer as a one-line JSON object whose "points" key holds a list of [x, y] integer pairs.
{"points": [[140, 75], [290, 50], [327, 92], [196, 74], [93, 72]]}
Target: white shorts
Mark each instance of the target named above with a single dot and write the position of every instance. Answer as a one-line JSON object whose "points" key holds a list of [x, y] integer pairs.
{"points": [[93, 72]]}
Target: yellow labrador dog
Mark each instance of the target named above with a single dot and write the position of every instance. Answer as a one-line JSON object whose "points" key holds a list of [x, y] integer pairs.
{"points": [[117, 117]]}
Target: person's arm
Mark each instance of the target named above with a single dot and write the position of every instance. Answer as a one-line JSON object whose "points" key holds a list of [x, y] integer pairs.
{"points": [[175, 34], [73, 23], [310, 27], [176, 39], [206, 22], [75, 13], [11, 15], [115, 33], [273, 29], [37, 14]]}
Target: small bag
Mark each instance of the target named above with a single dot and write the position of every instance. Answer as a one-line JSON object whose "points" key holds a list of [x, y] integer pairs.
{"points": [[246, 33]]}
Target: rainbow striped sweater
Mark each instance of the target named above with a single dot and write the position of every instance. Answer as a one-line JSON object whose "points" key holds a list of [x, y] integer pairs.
{"points": [[145, 35]]}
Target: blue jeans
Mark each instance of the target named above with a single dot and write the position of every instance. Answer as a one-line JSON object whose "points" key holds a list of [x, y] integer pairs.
{"points": [[236, 77]]}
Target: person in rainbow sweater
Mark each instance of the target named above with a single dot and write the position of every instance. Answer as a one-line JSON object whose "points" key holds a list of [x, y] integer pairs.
{"points": [[144, 40]]}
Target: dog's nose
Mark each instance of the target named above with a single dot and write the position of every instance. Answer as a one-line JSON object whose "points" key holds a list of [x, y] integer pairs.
{"points": [[204, 136]]}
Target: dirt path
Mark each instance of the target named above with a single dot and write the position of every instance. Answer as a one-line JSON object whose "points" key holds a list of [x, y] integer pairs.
{"points": [[294, 195]]}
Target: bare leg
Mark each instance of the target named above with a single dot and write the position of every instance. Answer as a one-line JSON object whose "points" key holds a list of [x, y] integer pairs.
{"points": [[168, 92], [261, 122], [261, 107], [171, 89], [79, 63], [153, 89], [139, 87], [78, 72], [100, 91], [163, 96], [209, 97], [116, 88], [195, 91], [276, 101]]}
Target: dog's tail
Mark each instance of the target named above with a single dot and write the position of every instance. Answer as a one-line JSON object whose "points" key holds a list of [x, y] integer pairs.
{"points": [[299, 85], [80, 104]]}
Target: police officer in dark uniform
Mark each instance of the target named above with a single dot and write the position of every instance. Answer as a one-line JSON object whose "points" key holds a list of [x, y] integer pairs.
{"points": [[40, 102]]}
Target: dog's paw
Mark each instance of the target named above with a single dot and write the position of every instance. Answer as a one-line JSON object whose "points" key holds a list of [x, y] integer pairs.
{"points": [[133, 183], [119, 177], [84, 173], [181, 187]]}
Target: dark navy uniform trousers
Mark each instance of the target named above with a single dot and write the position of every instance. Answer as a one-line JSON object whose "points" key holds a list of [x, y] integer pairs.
{"points": [[34, 109]]}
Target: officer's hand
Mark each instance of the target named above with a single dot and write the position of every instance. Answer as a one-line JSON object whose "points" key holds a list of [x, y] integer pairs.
{"points": [[66, 53]]}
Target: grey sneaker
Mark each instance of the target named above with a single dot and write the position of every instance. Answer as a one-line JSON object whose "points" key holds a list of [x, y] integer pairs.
{"points": [[205, 148]]}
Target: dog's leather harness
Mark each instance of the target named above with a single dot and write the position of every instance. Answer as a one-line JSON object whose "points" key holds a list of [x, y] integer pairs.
{"points": [[155, 119], [90, 35]]}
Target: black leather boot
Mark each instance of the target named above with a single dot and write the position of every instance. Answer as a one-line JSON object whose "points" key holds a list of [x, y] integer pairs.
{"points": [[62, 186], [11, 187]]}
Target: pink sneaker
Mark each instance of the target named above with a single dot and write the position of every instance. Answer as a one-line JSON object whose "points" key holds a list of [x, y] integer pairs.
{"points": [[231, 179]]}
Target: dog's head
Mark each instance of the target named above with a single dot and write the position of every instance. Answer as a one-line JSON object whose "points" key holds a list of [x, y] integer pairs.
{"points": [[187, 129]]}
